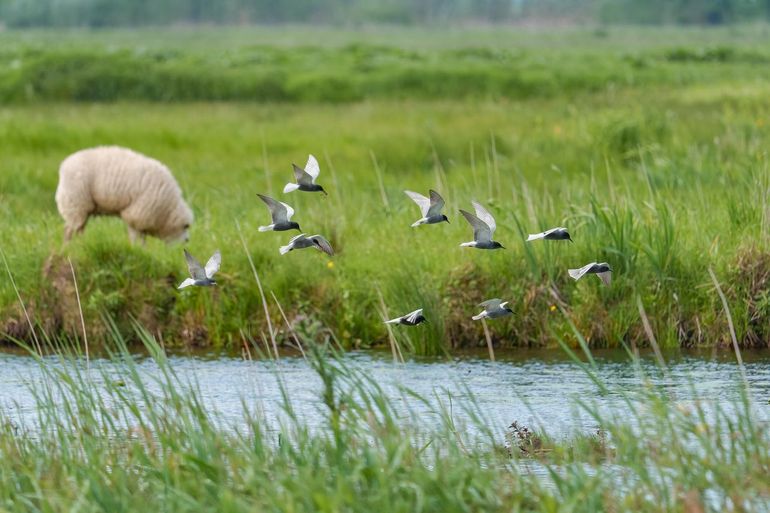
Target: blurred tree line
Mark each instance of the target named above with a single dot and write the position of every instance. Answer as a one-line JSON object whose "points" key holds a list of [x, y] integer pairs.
{"points": [[104, 13]]}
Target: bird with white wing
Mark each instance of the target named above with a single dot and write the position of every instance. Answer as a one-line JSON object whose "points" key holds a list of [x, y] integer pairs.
{"points": [[430, 208], [484, 226], [302, 241], [201, 276], [559, 233], [602, 270], [280, 213], [410, 319], [493, 308], [306, 177]]}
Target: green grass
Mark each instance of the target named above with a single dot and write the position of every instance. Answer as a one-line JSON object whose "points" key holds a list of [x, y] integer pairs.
{"points": [[663, 175], [122, 440], [309, 65]]}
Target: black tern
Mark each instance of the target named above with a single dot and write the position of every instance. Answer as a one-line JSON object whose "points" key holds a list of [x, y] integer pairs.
{"points": [[410, 319], [493, 308], [603, 271], [306, 177], [559, 233], [429, 207], [302, 242], [201, 276], [280, 213], [483, 225]]}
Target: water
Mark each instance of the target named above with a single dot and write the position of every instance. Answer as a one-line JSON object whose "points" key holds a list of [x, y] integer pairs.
{"points": [[539, 389]]}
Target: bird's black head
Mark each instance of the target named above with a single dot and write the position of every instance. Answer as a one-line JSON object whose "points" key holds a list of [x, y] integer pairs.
{"points": [[420, 319], [445, 218], [323, 191], [496, 245], [566, 236], [212, 282], [294, 226], [508, 309]]}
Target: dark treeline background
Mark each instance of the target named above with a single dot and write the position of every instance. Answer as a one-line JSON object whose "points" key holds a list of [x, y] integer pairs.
{"points": [[106, 13]]}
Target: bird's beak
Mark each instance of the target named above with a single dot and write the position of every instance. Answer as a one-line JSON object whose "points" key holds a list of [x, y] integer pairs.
{"points": [[572, 241]]}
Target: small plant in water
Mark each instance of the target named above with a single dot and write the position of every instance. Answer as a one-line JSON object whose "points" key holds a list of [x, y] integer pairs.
{"points": [[524, 439]]}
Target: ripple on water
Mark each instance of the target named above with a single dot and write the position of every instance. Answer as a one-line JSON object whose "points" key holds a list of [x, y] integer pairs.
{"points": [[541, 390]]}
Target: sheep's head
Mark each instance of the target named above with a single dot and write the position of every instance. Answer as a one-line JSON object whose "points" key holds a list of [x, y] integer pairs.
{"points": [[177, 226]]}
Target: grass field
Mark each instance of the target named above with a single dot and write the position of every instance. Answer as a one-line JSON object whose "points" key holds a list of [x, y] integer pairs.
{"points": [[650, 145]]}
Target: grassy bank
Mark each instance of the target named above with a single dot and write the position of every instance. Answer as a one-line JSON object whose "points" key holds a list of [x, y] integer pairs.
{"points": [[123, 439], [662, 181]]}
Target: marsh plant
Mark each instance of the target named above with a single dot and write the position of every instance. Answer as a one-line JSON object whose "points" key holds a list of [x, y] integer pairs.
{"points": [[105, 435]]}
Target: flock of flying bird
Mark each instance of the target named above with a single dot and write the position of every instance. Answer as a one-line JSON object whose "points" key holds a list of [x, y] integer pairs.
{"points": [[483, 224]]}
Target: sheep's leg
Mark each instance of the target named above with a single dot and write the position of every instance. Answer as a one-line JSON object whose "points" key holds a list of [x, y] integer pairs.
{"points": [[134, 235]]}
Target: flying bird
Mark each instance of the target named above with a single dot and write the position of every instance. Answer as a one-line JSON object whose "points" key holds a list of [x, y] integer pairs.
{"points": [[493, 308], [483, 227], [603, 271], [201, 276], [302, 242], [281, 215], [429, 207], [410, 319], [306, 177], [559, 233]]}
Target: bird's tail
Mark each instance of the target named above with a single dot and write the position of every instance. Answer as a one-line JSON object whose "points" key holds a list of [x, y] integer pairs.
{"points": [[575, 273], [265, 228], [285, 249], [533, 237], [290, 187], [479, 316], [186, 283]]}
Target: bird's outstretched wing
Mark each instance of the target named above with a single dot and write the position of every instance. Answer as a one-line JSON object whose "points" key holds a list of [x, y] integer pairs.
{"points": [[535, 236], [481, 231], [312, 168], [195, 268], [423, 202], [280, 212], [322, 244], [301, 176], [483, 214], [576, 274], [411, 317], [436, 204], [491, 304], [212, 266], [186, 283], [296, 238], [606, 277], [542, 235]]}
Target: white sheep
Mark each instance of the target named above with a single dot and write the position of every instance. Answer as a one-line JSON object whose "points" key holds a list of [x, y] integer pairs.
{"points": [[110, 180]]}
